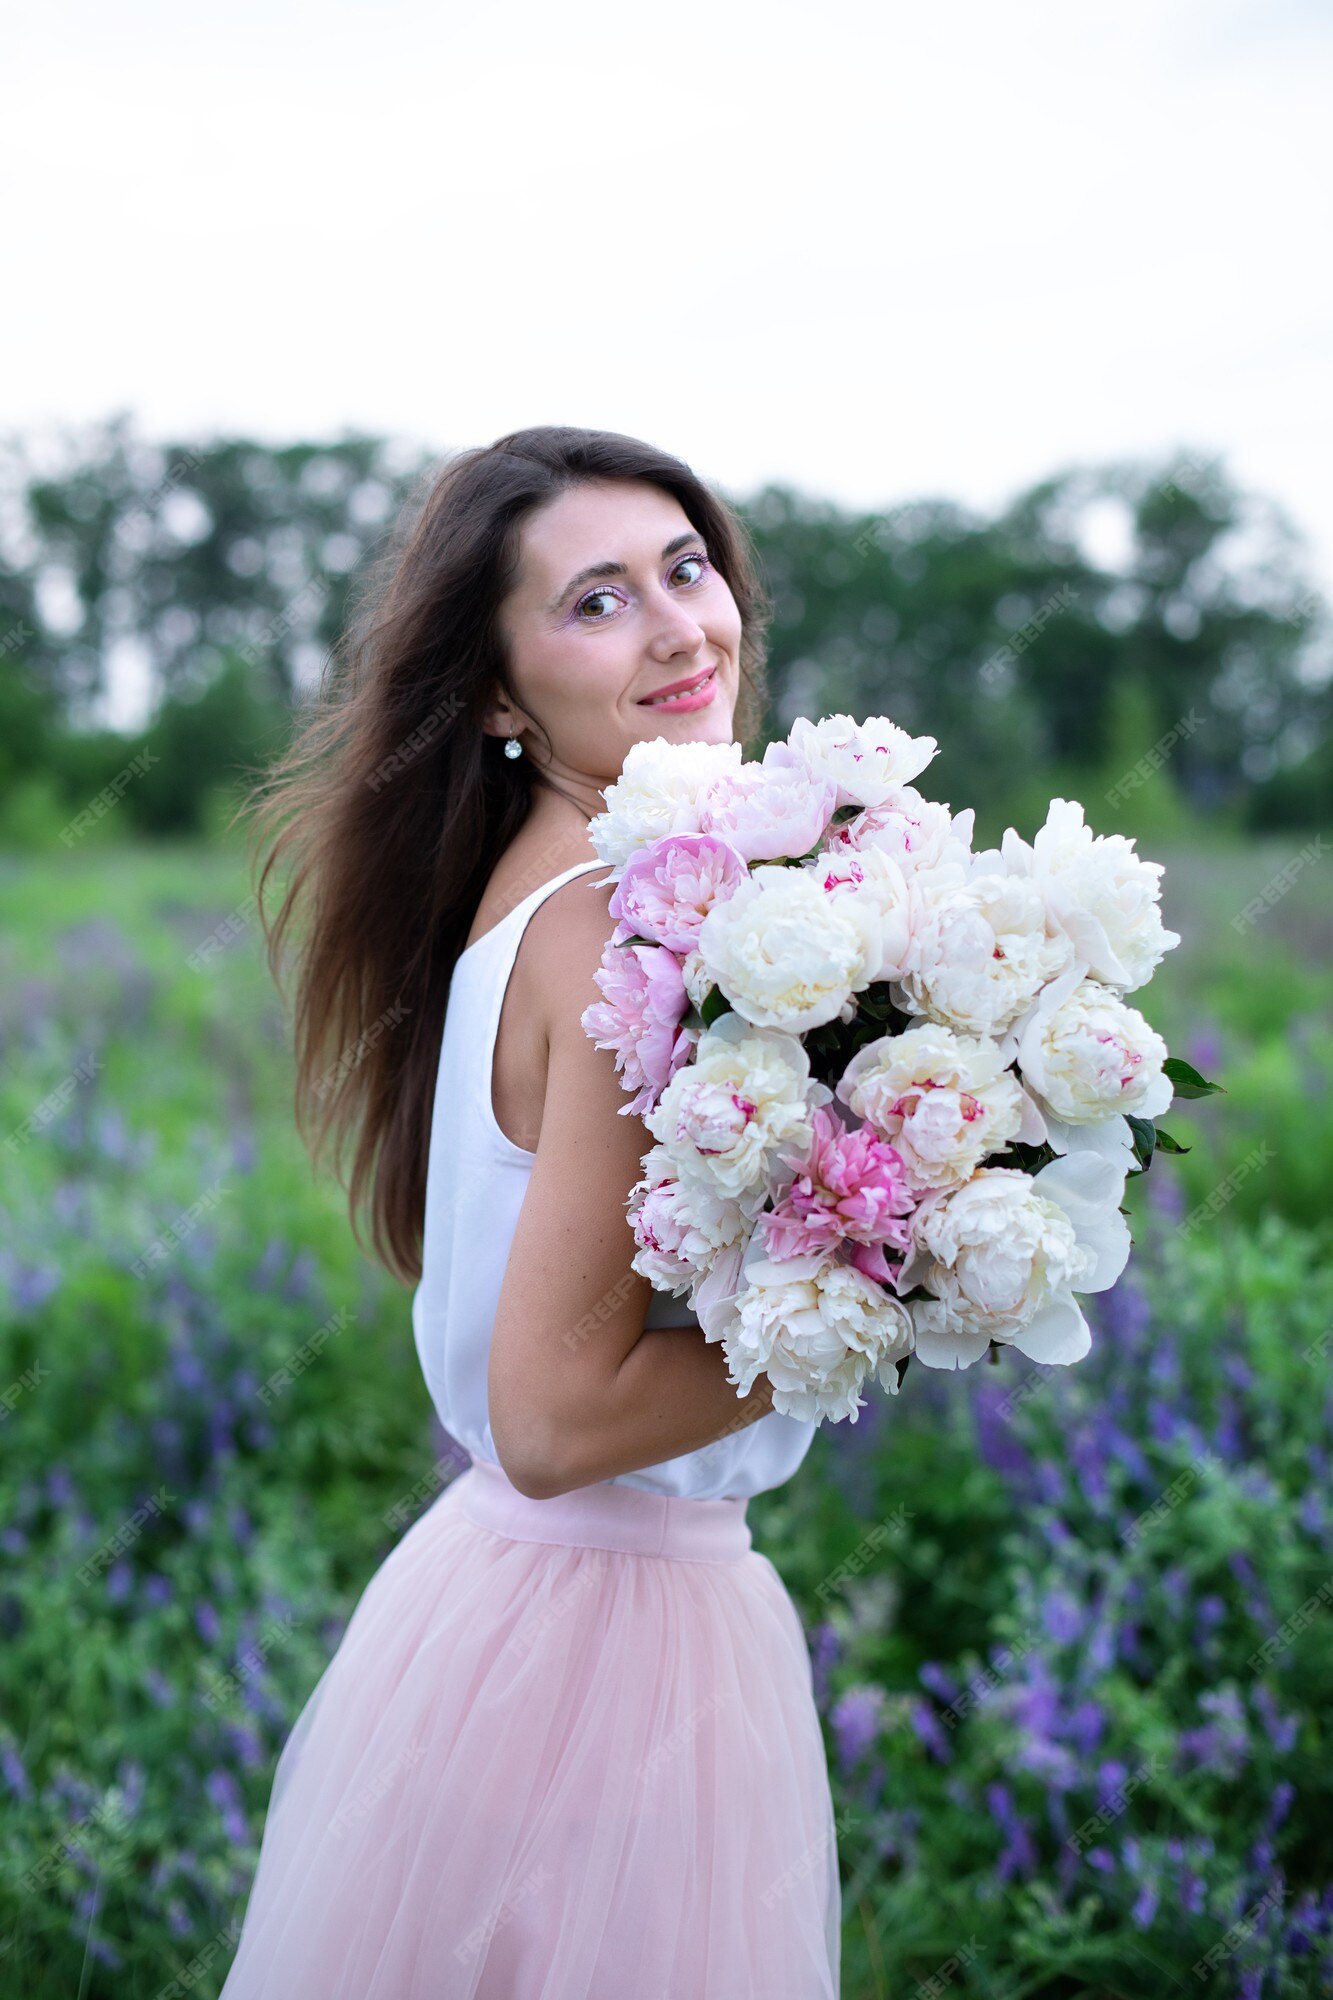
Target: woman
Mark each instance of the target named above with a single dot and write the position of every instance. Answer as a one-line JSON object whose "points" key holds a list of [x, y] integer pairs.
{"points": [[567, 1748]]}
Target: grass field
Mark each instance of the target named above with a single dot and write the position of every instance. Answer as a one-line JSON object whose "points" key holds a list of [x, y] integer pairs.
{"points": [[1072, 1630]]}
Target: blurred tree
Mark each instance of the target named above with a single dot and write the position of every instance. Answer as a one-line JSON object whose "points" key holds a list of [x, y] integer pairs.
{"points": [[1130, 623], [170, 553], [1020, 642]]}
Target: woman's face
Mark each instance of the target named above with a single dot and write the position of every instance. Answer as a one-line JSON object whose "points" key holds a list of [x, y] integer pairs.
{"points": [[614, 600]]}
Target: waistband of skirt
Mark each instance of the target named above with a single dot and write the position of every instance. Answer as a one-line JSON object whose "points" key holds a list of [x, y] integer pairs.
{"points": [[606, 1516]]}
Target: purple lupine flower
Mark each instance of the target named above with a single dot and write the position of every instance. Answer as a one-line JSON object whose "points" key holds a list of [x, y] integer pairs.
{"points": [[157, 1590], [1048, 1760], [939, 1681], [1019, 1854], [159, 1687], [1061, 1617], [132, 1780], [1145, 1906], [930, 1730], [1280, 1729], [119, 1581], [1087, 1725], [1209, 1613], [855, 1719], [1102, 1858], [15, 1775], [32, 1285], [207, 1622], [222, 1789]]}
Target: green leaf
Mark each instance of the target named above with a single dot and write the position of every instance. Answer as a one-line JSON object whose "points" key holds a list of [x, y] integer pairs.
{"points": [[1145, 1139], [715, 1004], [636, 940], [1186, 1079], [1166, 1144]]}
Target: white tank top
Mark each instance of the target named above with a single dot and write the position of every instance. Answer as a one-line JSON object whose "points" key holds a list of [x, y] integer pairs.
{"points": [[475, 1182]]}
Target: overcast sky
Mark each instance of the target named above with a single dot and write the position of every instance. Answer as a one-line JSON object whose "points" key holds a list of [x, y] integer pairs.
{"points": [[873, 249]]}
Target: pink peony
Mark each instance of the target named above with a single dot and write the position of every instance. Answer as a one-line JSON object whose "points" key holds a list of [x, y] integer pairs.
{"points": [[849, 1187], [640, 1019], [668, 889], [768, 812]]}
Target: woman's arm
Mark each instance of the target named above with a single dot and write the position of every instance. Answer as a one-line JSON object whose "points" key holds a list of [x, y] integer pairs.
{"points": [[579, 1391]]}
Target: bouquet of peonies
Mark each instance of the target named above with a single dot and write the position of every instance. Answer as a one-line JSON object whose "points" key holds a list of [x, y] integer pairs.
{"points": [[894, 1083]]}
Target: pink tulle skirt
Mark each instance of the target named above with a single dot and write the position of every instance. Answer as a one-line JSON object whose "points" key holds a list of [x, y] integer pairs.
{"points": [[567, 1749]]}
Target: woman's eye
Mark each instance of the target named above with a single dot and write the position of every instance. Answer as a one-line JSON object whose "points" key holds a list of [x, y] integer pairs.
{"points": [[700, 561], [591, 598]]}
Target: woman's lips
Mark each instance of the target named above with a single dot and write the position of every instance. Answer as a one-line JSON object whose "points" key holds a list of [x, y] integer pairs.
{"points": [[697, 696]]}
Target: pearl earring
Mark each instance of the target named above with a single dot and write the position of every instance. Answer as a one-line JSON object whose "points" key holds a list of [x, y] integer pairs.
{"points": [[513, 748]]}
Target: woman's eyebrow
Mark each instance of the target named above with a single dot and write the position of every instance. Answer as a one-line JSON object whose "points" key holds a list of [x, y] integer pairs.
{"points": [[614, 569]]}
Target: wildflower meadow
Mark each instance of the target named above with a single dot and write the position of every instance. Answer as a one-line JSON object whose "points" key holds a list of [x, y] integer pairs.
{"points": [[1071, 1629]]}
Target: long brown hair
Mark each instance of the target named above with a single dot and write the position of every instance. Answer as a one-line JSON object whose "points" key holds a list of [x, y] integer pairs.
{"points": [[393, 805]]}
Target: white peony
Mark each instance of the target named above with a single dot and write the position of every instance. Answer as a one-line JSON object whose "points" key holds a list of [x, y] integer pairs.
{"points": [[921, 834], [1090, 1060], [723, 1117], [980, 954], [657, 792], [1003, 1256], [785, 954], [875, 877], [866, 760], [944, 1101], [680, 1229], [816, 1328], [699, 981], [1098, 891]]}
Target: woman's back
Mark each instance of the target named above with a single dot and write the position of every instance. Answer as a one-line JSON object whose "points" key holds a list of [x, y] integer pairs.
{"points": [[478, 1178]]}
